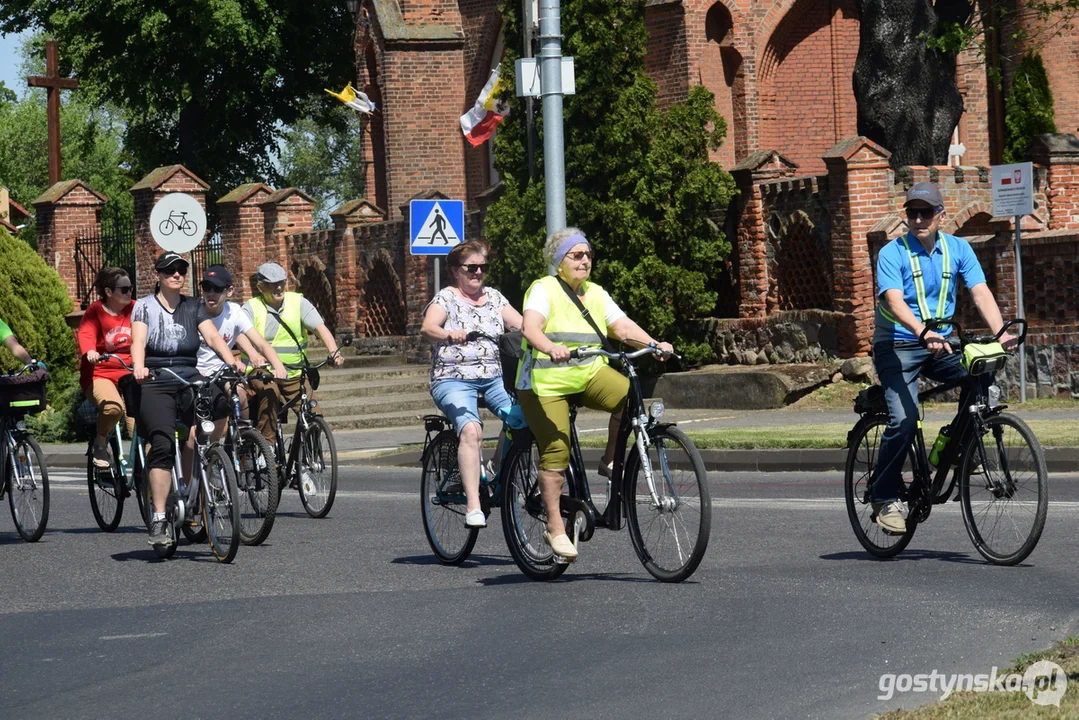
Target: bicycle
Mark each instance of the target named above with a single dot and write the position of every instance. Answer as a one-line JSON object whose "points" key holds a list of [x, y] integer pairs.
{"points": [[311, 465], [110, 487], [256, 469], [667, 509], [1003, 470], [213, 492], [25, 478], [178, 221]]}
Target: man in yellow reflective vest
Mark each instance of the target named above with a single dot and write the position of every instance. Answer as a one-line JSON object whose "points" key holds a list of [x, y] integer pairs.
{"points": [[284, 319], [917, 277]]}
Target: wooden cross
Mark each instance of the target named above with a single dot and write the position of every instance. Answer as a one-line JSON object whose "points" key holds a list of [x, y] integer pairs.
{"points": [[53, 83]]}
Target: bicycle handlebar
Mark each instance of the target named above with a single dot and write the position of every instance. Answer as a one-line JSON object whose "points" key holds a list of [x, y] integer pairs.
{"points": [[960, 339], [584, 352]]}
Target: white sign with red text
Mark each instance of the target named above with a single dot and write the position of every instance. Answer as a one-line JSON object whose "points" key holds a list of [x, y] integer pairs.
{"points": [[1013, 189]]}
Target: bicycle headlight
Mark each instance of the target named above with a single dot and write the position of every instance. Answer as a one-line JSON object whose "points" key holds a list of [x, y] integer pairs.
{"points": [[207, 426], [655, 410]]}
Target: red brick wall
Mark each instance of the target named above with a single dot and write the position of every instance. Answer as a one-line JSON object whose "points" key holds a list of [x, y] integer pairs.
{"points": [[666, 60], [243, 240], [482, 24], [78, 212]]}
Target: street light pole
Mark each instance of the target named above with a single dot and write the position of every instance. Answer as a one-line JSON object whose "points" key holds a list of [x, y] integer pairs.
{"points": [[554, 165]]}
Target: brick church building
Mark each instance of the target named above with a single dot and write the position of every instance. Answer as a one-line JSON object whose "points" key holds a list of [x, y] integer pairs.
{"points": [[780, 70]]}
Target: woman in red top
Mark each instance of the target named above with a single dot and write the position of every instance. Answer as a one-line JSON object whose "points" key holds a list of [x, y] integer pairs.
{"points": [[106, 328]]}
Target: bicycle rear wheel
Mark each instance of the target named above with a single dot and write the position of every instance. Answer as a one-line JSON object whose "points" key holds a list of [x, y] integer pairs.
{"points": [[443, 502], [257, 483], [28, 492], [318, 473], [524, 517], [106, 490], [863, 446], [220, 511], [670, 530], [1004, 507]]}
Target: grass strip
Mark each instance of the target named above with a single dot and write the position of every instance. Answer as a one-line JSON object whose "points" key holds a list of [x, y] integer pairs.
{"points": [[1007, 705]]}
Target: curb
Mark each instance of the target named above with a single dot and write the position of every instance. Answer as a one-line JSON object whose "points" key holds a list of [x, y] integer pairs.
{"points": [[1057, 460]]}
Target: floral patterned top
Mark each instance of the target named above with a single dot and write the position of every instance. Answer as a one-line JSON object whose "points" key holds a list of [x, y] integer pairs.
{"points": [[477, 360]]}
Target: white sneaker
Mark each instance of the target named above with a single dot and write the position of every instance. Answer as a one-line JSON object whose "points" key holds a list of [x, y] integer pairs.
{"points": [[892, 517], [475, 519]]}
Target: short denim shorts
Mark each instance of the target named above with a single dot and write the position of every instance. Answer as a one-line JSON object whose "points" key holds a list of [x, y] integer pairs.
{"points": [[459, 399]]}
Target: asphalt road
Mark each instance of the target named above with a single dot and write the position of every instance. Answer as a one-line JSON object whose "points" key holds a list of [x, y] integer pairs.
{"points": [[351, 616]]}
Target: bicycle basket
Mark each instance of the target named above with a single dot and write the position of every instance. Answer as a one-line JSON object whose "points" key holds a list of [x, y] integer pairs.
{"points": [[981, 358], [871, 400], [22, 394]]}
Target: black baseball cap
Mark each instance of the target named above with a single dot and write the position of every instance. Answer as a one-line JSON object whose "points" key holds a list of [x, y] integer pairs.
{"points": [[218, 276], [167, 259], [926, 192]]}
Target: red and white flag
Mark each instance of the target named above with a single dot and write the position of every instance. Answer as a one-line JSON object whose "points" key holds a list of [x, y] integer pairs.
{"points": [[479, 123]]}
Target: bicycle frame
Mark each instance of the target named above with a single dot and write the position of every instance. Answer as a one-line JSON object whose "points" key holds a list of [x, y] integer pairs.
{"points": [[435, 425]]}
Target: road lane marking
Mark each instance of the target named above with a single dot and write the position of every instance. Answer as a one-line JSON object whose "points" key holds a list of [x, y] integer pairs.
{"points": [[133, 636]]}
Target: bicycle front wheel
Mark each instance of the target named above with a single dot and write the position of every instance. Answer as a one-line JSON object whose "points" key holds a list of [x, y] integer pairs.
{"points": [[670, 520], [257, 483], [318, 472], [220, 511], [524, 517], [862, 452], [443, 502], [28, 489], [1004, 505], [106, 490]]}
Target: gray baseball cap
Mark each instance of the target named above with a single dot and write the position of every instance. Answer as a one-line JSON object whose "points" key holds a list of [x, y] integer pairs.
{"points": [[927, 192], [271, 273]]}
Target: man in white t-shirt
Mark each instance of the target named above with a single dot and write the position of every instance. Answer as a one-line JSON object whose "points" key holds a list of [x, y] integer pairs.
{"points": [[235, 327]]}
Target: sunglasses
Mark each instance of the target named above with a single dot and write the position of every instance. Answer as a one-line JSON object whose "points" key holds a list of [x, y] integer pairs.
{"points": [[474, 267], [174, 270], [125, 289], [208, 288], [924, 213], [273, 286], [579, 255]]}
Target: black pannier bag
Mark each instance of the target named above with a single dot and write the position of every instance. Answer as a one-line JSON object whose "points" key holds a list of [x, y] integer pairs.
{"points": [[23, 394]]}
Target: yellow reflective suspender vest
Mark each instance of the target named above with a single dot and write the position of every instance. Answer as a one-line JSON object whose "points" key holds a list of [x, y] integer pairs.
{"points": [[282, 342], [919, 283], [567, 326]]}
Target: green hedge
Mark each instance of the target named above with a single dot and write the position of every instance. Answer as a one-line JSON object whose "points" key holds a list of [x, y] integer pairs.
{"points": [[34, 302]]}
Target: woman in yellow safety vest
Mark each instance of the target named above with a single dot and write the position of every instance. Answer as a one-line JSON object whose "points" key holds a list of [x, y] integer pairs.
{"points": [[547, 378]]}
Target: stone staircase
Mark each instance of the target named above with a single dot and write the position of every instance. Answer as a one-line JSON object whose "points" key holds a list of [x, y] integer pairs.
{"points": [[374, 391]]}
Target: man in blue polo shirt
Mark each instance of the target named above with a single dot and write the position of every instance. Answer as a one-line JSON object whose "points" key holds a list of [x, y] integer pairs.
{"points": [[917, 277]]}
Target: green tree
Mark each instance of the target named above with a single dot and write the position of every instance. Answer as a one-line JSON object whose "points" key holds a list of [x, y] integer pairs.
{"points": [[1029, 108], [34, 302], [325, 160], [638, 180], [205, 83]]}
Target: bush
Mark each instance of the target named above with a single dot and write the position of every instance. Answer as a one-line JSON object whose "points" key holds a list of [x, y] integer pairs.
{"points": [[35, 303], [1029, 108]]}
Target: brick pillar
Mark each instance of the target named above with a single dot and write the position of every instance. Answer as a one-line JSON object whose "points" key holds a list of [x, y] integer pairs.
{"points": [[347, 219], [859, 192], [243, 235], [758, 167], [284, 212], [1059, 152], [64, 211], [146, 193]]}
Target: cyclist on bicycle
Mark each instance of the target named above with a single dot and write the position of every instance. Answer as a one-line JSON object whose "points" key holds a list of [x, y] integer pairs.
{"points": [[461, 370], [283, 319], [548, 379], [165, 329], [235, 328], [12, 343], [105, 328], [917, 276]]}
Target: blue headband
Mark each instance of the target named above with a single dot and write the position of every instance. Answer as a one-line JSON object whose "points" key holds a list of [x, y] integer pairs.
{"points": [[564, 248]]}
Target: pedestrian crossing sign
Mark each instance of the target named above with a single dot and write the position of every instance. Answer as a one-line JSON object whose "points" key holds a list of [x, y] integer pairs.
{"points": [[435, 226]]}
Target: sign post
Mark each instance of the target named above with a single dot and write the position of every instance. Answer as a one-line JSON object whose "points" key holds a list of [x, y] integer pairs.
{"points": [[1013, 194], [434, 228]]}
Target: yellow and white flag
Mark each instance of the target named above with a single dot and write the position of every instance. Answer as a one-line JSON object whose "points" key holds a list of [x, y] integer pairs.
{"points": [[354, 99], [479, 123]]}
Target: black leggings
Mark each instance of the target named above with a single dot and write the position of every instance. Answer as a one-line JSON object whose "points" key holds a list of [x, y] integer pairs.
{"points": [[164, 402]]}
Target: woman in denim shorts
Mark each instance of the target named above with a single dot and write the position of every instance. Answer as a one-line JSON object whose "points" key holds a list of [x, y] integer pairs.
{"points": [[461, 370]]}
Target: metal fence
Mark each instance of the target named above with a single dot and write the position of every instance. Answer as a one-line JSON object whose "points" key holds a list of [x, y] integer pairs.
{"points": [[206, 254], [113, 247]]}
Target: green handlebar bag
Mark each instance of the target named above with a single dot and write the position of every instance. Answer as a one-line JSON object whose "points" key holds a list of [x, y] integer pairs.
{"points": [[981, 358]]}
